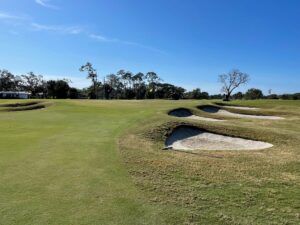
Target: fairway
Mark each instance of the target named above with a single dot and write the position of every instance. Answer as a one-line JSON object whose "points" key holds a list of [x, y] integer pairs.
{"points": [[101, 162]]}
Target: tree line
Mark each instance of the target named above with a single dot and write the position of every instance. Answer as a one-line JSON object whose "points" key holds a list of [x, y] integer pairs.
{"points": [[254, 93], [127, 85], [121, 85], [36, 85]]}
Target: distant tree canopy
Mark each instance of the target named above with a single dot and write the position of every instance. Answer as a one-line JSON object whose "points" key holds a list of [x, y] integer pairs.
{"points": [[295, 96], [231, 81], [254, 93], [238, 95], [33, 83], [60, 89], [9, 82], [127, 85], [197, 94], [36, 85]]}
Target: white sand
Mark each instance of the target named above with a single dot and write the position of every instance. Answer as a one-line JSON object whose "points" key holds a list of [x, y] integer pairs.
{"points": [[219, 111], [188, 138], [241, 107], [188, 115]]}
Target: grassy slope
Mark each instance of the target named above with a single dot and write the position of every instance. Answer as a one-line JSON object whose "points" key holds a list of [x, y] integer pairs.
{"points": [[61, 165], [224, 187]]}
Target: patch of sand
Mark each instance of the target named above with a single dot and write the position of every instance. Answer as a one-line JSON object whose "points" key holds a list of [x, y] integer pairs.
{"points": [[191, 138], [213, 109], [241, 107], [182, 112]]}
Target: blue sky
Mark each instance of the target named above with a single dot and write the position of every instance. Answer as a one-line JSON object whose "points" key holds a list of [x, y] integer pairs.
{"points": [[188, 43]]}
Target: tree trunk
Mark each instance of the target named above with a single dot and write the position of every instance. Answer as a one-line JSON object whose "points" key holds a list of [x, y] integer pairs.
{"points": [[227, 97]]}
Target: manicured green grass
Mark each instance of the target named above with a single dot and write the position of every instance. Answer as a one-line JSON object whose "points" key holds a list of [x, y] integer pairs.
{"points": [[97, 162]]}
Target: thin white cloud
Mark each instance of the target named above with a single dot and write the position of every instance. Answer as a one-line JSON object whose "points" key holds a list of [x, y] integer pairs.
{"points": [[105, 39], [78, 30], [60, 29], [13, 32], [8, 16], [101, 38], [45, 3]]}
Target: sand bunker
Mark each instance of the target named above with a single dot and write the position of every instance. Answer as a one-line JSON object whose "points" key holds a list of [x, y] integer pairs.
{"points": [[236, 107], [22, 106], [219, 111], [241, 107], [18, 104], [192, 138], [182, 112]]}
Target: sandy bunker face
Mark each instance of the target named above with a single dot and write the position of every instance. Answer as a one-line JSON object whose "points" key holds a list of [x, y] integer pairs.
{"points": [[185, 113], [241, 107], [192, 138], [217, 110], [236, 106]]}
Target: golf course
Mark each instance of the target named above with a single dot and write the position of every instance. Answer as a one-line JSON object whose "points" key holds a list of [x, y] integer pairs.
{"points": [[107, 162]]}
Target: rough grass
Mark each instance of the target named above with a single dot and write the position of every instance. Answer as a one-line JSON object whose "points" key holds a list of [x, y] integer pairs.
{"points": [[219, 187], [100, 162]]}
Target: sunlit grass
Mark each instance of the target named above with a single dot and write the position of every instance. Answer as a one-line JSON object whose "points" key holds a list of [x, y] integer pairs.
{"points": [[93, 162]]}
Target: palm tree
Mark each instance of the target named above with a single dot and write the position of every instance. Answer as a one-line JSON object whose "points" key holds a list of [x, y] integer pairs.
{"points": [[137, 80], [128, 78], [92, 74], [153, 80], [138, 77]]}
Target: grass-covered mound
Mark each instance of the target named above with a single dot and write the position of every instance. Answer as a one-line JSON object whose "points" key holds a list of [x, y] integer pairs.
{"points": [[219, 187]]}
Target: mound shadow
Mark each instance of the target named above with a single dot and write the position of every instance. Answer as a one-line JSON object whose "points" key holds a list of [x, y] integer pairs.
{"points": [[24, 106], [209, 108], [186, 113], [180, 112], [31, 107], [13, 105]]}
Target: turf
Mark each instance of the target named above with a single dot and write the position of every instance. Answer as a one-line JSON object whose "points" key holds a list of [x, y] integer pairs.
{"points": [[100, 162]]}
